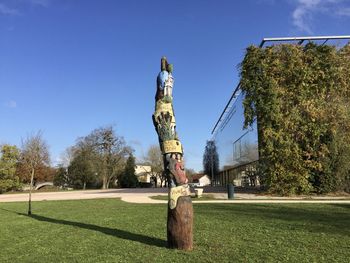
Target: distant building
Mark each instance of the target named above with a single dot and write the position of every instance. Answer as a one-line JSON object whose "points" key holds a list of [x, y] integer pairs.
{"points": [[201, 179], [142, 173]]}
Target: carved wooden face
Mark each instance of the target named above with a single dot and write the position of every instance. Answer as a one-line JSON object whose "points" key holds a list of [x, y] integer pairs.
{"points": [[180, 172]]}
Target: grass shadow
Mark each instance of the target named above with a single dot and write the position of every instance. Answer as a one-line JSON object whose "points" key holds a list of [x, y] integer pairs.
{"points": [[152, 241]]}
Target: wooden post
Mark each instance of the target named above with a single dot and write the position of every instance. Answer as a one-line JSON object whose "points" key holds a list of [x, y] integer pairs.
{"points": [[180, 210]]}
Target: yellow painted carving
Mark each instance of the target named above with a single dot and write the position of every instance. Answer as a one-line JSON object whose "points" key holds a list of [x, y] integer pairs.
{"points": [[176, 192], [172, 146], [164, 107]]}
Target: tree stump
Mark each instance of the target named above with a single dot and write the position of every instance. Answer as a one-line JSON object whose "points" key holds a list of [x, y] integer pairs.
{"points": [[180, 224]]}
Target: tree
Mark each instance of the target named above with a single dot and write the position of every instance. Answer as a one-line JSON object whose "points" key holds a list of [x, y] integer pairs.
{"points": [[34, 156], [96, 159], [67, 157], [128, 178], [8, 163], [111, 151], [61, 177], [211, 161], [83, 168], [154, 159]]}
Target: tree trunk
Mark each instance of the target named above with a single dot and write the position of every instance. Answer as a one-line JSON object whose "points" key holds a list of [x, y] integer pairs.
{"points": [[84, 185], [108, 182], [180, 222], [30, 193], [104, 182]]}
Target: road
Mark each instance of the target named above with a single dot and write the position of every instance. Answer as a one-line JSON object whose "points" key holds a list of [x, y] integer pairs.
{"points": [[142, 195]]}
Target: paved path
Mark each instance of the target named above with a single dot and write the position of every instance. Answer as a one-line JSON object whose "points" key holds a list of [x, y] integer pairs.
{"points": [[143, 196]]}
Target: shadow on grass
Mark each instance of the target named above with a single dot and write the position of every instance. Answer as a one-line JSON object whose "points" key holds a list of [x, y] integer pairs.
{"points": [[152, 241]]}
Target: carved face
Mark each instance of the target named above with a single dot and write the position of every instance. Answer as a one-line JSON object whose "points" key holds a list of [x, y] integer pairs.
{"points": [[180, 171]]}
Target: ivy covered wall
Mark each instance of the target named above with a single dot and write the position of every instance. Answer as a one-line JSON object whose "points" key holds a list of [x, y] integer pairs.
{"points": [[300, 96]]}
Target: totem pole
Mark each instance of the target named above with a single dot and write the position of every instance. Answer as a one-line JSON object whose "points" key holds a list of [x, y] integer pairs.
{"points": [[180, 211]]}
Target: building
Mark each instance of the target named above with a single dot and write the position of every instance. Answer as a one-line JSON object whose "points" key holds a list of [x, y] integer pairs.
{"points": [[201, 179], [142, 173], [144, 176]]}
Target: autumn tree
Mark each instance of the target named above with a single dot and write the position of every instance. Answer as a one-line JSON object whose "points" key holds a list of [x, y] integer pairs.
{"points": [[34, 155]]}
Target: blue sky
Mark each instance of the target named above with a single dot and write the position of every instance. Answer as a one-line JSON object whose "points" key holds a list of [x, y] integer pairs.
{"points": [[70, 66]]}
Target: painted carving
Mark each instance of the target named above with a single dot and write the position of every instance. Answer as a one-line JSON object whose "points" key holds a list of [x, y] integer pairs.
{"points": [[165, 125], [176, 192]]}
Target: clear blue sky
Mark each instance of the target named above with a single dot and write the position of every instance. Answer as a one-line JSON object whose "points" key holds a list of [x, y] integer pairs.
{"points": [[68, 67]]}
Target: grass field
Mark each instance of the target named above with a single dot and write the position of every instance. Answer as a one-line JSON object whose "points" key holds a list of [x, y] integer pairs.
{"points": [[204, 197], [110, 230]]}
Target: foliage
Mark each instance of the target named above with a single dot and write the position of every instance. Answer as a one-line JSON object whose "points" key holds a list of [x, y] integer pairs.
{"points": [[110, 230], [128, 178], [97, 159], [61, 177], [110, 151], [211, 161], [43, 173], [8, 163], [83, 169], [299, 97], [9, 185]]}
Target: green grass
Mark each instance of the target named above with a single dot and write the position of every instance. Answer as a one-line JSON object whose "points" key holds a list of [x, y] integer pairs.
{"points": [[204, 197], [110, 230]]}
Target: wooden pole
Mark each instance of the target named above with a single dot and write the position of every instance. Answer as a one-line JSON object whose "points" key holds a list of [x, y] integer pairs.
{"points": [[180, 210]]}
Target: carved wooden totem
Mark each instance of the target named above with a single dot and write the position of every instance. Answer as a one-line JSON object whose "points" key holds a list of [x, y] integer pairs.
{"points": [[180, 210]]}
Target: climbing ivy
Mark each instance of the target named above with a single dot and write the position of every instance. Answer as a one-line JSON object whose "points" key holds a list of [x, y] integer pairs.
{"points": [[300, 97]]}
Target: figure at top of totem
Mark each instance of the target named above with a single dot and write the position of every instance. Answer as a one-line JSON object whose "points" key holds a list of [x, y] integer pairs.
{"points": [[165, 80], [163, 74]]}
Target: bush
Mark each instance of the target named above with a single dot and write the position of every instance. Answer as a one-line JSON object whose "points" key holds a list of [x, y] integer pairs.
{"points": [[9, 185]]}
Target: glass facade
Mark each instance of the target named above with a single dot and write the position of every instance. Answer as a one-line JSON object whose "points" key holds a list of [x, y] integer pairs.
{"points": [[237, 147]]}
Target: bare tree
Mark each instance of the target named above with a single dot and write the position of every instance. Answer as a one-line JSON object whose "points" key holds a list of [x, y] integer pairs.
{"points": [[34, 155], [67, 157], [154, 158]]}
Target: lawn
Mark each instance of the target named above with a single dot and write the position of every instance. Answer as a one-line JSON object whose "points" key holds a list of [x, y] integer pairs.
{"points": [[204, 197], [110, 230]]}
